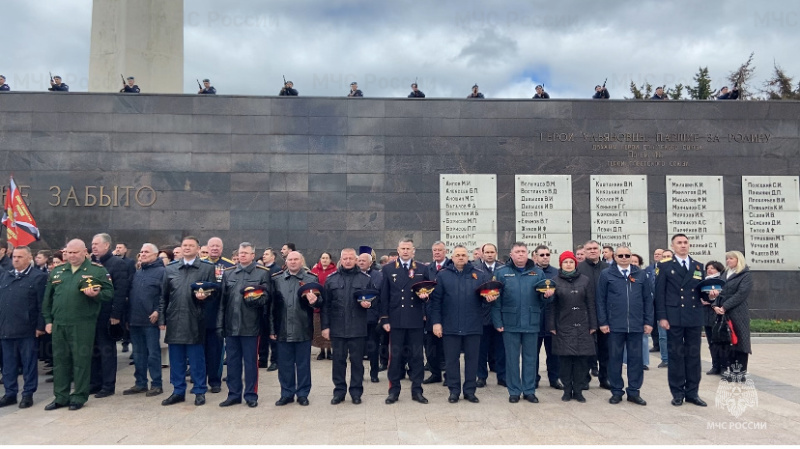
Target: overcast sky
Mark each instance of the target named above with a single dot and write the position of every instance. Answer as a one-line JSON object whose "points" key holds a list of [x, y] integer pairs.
{"points": [[507, 47]]}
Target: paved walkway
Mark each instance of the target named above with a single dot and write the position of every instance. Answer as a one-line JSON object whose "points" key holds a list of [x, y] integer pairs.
{"points": [[140, 420]]}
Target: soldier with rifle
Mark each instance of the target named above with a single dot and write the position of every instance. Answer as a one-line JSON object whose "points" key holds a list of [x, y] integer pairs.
{"points": [[288, 89], [206, 88], [129, 86]]}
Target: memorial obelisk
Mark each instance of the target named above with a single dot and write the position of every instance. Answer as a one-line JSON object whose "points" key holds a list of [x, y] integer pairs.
{"points": [[141, 38]]}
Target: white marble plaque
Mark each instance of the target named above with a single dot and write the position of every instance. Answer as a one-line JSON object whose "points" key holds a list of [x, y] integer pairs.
{"points": [[771, 212], [619, 212], [695, 207], [544, 212], [468, 210]]}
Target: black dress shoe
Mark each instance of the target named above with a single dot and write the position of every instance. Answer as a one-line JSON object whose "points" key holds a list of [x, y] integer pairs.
{"points": [[48, 373], [714, 371], [391, 399], [230, 401], [566, 397], [585, 387], [26, 402], [382, 368], [646, 368], [125, 348], [53, 405], [272, 367], [655, 349], [200, 399], [432, 379], [615, 399], [94, 390], [557, 385], [374, 379], [502, 383], [174, 399], [663, 365], [284, 400], [74, 406], [263, 364], [216, 389], [8, 400], [337, 400], [696, 401], [605, 384], [594, 372], [480, 383], [104, 394], [252, 404], [419, 398], [677, 402], [356, 400], [321, 355], [427, 367], [155, 391], [637, 400], [513, 399], [302, 400], [134, 390], [453, 398], [579, 397], [49, 380], [531, 398], [472, 398]]}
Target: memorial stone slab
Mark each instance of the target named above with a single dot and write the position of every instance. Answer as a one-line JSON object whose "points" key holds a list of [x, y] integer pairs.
{"points": [[695, 207], [619, 211], [468, 210], [771, 214], [544, 212]]}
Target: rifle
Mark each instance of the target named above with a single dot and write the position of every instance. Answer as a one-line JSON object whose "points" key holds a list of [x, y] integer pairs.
{"points": [[198, 84], [51, 77], [604, 84], [123, 78]]}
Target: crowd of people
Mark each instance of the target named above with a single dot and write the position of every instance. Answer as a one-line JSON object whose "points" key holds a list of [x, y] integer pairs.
{"points": [[593, 312]]}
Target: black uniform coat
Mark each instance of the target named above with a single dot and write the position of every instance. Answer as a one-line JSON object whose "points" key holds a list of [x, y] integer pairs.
{"points": [[572, 315], [400, 306], [237, 318], [455, 303], [291, 318], [21, 303], [734, 299], [374, 312], [121, 275], [676, 298], [341, 313], [179, 310]]}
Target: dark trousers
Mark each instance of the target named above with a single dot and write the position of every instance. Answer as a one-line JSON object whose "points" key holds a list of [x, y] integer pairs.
{"points": [[718, 357], [524, 343], [552, 360], [434, 353], [373, 347], [683, 371], [213, 355], [178, 356], [26, 351], [572, 372], [104, 359], [294, 368], [617, 343], [341, 348], [383, 352], [602, 356], [146, 355], [242, 351], [492, 344], [266, 345], [72, 361], [405, 345], [453, 345], [46, 347], [732, 359]]}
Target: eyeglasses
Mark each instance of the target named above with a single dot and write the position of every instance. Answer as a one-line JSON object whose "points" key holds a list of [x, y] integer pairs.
{"points": [[544, 255], [624, 256]]}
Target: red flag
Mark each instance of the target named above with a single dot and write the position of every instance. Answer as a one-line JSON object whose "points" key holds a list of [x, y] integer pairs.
{"points": [[20, 224]]}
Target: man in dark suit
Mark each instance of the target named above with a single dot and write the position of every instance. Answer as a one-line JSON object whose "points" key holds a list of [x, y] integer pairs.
{"points": [[402, 315], [491, 340], [434, 348], [591, 267], [680, 312]]}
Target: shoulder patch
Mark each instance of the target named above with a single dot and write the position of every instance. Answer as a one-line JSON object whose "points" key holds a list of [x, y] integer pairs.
{"points": [[205, 261], [98, 264], [278, 274], [262, 267], [226, 259], [666, 259], [229, 268]]}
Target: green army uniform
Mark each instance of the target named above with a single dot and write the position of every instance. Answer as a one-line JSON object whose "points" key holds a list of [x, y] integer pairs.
{"points": [[74, 319]]}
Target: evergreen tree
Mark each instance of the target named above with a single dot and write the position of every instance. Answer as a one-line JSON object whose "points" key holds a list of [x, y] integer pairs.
{"points": [[779, 87], [741, 76], [637, 94], [676, 93], [702, 90]]}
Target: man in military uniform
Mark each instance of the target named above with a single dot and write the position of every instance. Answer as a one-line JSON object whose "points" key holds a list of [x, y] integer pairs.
{"points": [[71, 306], [214, 348], [415, 92], [130, 87], [601, 93], [57, 86], [402, 315], [475, 93], [207, 89], [434, 346], [181, 314], [245, 291], [659, 95], [680, 311], [354, 90], [288, 90], [492, 353], [3, 85]]}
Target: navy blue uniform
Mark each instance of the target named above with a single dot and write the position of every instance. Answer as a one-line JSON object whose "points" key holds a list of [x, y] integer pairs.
{"points": [[434, 346], [130, 89], [208, 91], [543, 96], [478, 95], [491, 341], [288, 92], [4, 87], [59, 88], [356, 93], [404, 311], [214, 346], [602, 95], [678, 302], [417, 94]]}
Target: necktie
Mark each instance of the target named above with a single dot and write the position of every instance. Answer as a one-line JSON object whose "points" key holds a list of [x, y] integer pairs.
{"points": [[684, 266], [405, 266], [625, 273], [438, 267]]}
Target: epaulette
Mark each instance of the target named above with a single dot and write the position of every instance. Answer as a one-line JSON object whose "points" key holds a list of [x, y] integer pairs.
{"points": [[226, 260], [98, 264], [666, 259], [229, 268], [206, 261], [262, 267], [173, 262], [313, 274], [278, 273]]}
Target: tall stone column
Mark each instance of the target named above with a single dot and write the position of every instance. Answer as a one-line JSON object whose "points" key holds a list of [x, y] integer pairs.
{"points": [[140, 38]]}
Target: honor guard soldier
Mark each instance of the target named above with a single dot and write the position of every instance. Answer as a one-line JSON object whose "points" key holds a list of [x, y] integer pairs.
{"points": [[57, 86], [403, 316], [245, 291], [207, 89], [288, 90], [130, 87], [659, 95], [354, 90], [601, 93], [540, 93], [680, 311], [71, 306], [415, 92], [3, 86], [475, 93], [725, 94]]}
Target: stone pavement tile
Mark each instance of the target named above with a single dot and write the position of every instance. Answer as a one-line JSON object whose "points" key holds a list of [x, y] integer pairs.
{"points": [[381, 437]]}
